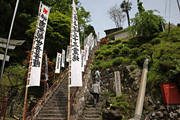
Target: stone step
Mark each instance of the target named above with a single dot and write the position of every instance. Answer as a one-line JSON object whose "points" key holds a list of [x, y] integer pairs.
{"points": [[55, 105], [49, 118], [91, 116], [57, 102], [52, 111], [52, 115], [54, 108], [91, 109], [91, 119], [92, 112]]}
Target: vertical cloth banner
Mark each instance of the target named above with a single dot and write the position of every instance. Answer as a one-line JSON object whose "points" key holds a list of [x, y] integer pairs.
{"points": [[46, 69], [63, 58], [58, 63], [39, 46], [67, 54], [76, 74], [82, 60]]}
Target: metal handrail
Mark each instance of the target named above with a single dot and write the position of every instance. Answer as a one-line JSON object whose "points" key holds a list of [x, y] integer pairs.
{"points": [[47, 95]]}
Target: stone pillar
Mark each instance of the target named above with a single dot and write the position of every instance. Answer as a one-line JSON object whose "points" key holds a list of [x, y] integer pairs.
{"points": [[117, 83]]}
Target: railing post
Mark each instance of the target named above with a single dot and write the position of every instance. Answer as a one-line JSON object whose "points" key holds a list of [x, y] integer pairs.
{"points": [[26, 109]]}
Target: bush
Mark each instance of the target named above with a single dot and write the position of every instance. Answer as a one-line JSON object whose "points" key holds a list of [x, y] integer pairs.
{"points": [[156, 41], [116, 50], [133, 67], [125, 50], [134, 52], [97, 52], [117, 61], [107, 52], [111, 42], [117, 41], [120, 46], [99, 57]]}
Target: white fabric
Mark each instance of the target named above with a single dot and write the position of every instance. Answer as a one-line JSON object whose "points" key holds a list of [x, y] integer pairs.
{"points": [[63, 58], [67, 54], [76, 74], [58, 63], [39, 46], [82, 60], [46, 69]]}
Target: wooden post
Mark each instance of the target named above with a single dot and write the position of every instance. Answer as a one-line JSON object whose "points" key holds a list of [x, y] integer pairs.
{"points": [[69, 73], [29, 69]]}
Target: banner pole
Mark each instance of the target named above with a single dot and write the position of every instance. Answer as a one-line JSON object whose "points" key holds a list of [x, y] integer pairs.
{"points": [[29, 68], [69, 74]]}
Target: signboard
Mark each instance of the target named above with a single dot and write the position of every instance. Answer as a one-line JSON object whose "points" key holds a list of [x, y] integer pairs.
{"points": [[170, 93]]}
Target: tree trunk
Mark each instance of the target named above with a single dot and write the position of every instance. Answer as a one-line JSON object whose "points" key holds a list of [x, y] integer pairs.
{"points": [[127, 12]]}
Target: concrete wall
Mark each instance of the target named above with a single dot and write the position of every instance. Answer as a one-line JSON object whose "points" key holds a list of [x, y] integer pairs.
{"points": [[121, 35]]}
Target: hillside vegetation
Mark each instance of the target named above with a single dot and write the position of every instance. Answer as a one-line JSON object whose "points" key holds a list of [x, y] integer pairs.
{"points": [[163, 51]]}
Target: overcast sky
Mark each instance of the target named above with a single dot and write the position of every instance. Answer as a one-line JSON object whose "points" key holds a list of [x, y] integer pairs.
{"points": [[101, 21]]}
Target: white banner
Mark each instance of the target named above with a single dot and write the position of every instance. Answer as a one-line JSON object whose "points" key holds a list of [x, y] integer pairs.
{"points": [[58, 63], [82, 60], [92, 40], [67, 54], [76, 74], [63, 58], [46, 68], [98, 37], [38, 47], [87, 51]]}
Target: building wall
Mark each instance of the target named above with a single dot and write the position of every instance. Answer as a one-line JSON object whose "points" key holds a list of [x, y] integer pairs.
{"points": [[121, 35]]}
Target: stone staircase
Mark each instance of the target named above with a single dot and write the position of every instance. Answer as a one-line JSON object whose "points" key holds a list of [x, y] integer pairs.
{"points": [[92, 112], [55, 107]]}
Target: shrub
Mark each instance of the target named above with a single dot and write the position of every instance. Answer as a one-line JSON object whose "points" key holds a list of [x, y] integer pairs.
{"points": [[97, 52], [107, 52], [116, 50], [120, 46], [134, 52], [156, 41], [100, 57], [105, 64], [121, 103], [125, 50], [133, 67], [111, 42], [117, 41], [117, 61]]}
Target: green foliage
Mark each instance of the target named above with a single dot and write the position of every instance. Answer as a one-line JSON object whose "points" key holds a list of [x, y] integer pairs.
{"points": [[99, 57], [107, 52], [57, 33], [116, 50], [97, 52], [125, 50], [173, 35], [117, 61], [14, 75], [117, 41], [133, 67], [134, 52], [120, 46], [111, 42], [120, 103], [156, 41], [145, 23]]}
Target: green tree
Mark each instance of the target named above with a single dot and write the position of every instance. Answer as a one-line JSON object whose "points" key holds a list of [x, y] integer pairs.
{"points": [[145, 23], [57, 34], [126, 7]]}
